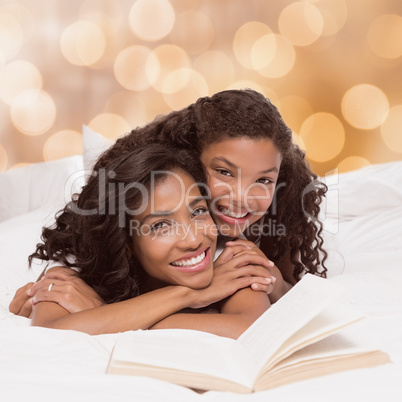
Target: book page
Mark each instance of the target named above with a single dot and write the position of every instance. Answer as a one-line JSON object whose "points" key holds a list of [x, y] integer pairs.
{"points": [[177, 349], [333, 319], [265, 336], [345, 350]]}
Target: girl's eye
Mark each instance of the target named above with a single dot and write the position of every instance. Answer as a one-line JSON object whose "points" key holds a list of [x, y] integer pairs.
{"points": [[224, 172], [200, 211], [264, 180]]}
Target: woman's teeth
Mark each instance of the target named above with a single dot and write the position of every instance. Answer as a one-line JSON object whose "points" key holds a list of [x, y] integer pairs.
{"points": [[232, 214], [191, 261]]}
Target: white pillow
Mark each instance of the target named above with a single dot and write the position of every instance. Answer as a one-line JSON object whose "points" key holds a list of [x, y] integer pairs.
{"points": [[39, 185], [363, 192], [94, 146], [18, 238]]}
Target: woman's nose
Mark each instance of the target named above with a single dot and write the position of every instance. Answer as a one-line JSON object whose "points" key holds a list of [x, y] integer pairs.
{"points": [[190, 236]]}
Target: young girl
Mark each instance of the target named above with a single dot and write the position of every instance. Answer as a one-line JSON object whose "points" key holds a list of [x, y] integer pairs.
{"points": [[140, 234], [263, 193]]}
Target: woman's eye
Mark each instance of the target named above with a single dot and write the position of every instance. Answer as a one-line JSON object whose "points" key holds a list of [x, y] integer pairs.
{"points": [[158, 225], [224, 172]]}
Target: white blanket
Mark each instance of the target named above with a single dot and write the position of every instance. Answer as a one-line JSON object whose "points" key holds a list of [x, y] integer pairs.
{"points": [[364, 237]]}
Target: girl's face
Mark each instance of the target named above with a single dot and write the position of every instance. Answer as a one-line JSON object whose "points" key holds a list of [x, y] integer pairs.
{"points": [[242, 175], [174, 239]]}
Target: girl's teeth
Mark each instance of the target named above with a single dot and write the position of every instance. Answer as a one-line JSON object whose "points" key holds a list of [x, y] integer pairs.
{"points": [[192, 261], [232, 214]]}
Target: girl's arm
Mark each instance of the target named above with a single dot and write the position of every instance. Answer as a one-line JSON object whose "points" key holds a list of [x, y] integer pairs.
{"points": [[144, 311]]}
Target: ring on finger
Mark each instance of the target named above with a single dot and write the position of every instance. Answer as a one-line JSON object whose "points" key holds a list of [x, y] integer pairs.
{"points": [[50, 287]]}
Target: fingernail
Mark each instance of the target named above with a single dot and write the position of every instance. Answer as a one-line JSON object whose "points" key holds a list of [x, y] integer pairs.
{"points": [[268, 280], [273, 279]]}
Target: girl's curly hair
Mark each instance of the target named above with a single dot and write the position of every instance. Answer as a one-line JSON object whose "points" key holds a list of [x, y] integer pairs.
{"points": [[94, 228], [248, 114]]}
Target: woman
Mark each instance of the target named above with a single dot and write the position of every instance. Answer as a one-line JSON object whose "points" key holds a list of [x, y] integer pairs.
{"points": [[140, 234]]}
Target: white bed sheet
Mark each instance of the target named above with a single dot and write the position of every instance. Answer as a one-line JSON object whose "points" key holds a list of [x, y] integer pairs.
{"points": [[365, 246]]}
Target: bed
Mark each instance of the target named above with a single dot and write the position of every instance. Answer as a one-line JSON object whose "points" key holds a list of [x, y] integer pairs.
{"points": [[362, 218]]}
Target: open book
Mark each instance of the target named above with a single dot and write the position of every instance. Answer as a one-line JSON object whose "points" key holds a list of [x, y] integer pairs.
{"points": [[305, 334]]}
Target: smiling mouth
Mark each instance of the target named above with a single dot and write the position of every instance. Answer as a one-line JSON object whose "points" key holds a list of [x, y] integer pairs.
{"points": [[191, 261], [231, 214]]}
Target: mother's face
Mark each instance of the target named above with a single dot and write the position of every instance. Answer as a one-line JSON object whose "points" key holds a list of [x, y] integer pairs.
{"points": [[174, 239]]}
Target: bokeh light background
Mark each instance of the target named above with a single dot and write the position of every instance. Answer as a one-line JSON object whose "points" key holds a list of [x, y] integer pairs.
{"points": [[333, 68]]}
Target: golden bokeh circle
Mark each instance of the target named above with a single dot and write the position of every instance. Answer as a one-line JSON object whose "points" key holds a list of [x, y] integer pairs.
{"points": [[110, 125], [301, 23], [365, 106], [11, 35], [82, 43], [263, 51], [384, 36], [62, 144], [244, 40], [352, 163], [169, 58], [217, 69], [23, 16], [334, 14], [136, 68], [16, 77], [282, 61], [323, 135], [151, 20], [193, 31], [182, 87], [3, 158], [33, 112], [391, 129]]}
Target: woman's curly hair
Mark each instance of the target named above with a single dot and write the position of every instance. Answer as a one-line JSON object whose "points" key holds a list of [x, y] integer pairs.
{"points": [[248, 114], [93, 231]]}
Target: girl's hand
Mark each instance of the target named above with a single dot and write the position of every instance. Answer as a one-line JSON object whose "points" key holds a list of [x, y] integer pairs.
{"points": [[243, 270], [237, 248], [281, 286], [67, 290]]}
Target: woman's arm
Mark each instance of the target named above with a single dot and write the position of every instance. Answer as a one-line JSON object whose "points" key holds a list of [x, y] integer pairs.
{"points": [[138, 313], [236, 313], [144, 311]]}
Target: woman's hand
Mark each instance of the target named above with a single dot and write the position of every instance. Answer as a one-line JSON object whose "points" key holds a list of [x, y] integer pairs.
{"points": [[233, 272], [21, 305], [62, 286]]}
